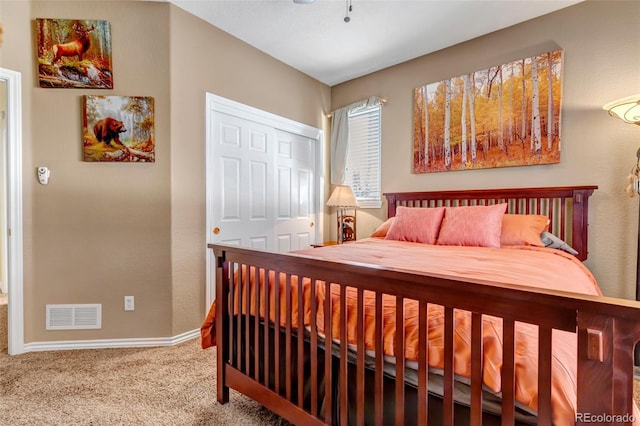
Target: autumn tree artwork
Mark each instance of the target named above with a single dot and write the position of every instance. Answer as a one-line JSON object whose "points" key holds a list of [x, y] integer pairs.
{"points": [[74, 53], [503, 116], [118, 129]]}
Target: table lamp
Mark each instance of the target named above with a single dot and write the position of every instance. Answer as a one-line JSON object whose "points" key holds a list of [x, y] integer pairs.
{"points": [[342, 197]]}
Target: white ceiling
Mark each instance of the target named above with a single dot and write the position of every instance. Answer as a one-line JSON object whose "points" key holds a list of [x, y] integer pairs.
{"points": [[314, 38]]}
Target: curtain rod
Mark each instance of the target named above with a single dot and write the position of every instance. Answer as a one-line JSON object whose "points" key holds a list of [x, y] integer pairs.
{"points": [[382, 102]]}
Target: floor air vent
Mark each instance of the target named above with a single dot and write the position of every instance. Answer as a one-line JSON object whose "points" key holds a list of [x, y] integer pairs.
{"points": [[74, 317]]}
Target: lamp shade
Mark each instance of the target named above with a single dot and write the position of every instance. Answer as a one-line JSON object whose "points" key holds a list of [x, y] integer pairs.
{"points": [[342, 196], [627, 109]]}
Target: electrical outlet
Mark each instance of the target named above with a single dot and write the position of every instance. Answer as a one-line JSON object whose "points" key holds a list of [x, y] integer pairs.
{"points": [[129, 304]]}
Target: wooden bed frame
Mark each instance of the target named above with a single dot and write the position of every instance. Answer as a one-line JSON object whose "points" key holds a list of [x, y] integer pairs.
{"points": [[607, 328]]}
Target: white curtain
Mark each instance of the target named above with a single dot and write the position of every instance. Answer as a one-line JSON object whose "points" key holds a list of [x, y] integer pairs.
{"points": [[340, 136]]}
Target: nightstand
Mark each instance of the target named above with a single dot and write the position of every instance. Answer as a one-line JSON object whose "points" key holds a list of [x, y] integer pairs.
{"points": [[326, 243]]}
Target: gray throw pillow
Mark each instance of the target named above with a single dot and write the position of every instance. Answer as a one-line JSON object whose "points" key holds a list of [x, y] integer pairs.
{"points": [[550, 240]]}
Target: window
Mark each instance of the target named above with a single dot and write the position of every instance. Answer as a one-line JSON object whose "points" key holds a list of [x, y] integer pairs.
{"points": [[363, 156]]}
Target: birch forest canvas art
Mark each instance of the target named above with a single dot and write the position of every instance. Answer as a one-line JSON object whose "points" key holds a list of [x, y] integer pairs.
{"points": [[503, 116]]}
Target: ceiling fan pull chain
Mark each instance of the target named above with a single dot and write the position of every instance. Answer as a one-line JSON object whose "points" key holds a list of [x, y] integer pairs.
{"points": [[349, 10]]}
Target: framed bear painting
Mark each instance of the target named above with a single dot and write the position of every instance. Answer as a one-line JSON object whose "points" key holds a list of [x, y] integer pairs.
{"points": [[118, 129]]}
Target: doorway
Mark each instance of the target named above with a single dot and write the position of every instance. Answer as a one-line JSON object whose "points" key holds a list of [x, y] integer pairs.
{"points": [[11, 210], [264, 181], [3, 185]]}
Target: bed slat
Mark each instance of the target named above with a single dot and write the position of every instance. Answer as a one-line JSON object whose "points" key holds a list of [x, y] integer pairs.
{"points": [[300, 370], [423, 363], [247, 320], [399, 353], [343, 356], [447, 378], [267, 315], [544, 375], [379, 361], [314, 350], [563, 212], [238, 319], [476, 369], [230, 318], [287, 343], [256, 327], [508, 374], [360, 363], [276, 344], [327, 353]]}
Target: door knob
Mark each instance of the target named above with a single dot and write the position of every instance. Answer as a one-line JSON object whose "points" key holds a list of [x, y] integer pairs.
{"points": [[216, 230], [311, 225]]}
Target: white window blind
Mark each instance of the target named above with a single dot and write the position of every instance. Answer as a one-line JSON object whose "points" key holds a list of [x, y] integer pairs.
{"points": [[363, 156]]}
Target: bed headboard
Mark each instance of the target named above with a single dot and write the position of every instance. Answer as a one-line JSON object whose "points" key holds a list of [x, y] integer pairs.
{"points": [[566, 206]]}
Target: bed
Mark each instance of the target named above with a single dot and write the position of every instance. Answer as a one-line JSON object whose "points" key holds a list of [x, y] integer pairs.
{"points": [[479, 344]]}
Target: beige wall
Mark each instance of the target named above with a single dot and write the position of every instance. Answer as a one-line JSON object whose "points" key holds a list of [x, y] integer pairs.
{"points": [[601, 63], [98, 232], [206, 59]]}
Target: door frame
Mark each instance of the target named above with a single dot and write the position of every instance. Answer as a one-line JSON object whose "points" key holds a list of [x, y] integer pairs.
{"points": [[12, 168], [215, 103]]}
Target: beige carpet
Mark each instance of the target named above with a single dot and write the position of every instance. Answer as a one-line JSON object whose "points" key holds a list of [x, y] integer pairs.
{"points": [[157, 386]]}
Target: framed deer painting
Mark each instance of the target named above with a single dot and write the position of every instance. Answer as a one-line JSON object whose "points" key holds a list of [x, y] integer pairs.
{"points": [[74, 53]]}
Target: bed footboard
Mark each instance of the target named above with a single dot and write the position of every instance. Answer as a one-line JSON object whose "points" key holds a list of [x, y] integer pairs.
{"points": [[607, 330]]}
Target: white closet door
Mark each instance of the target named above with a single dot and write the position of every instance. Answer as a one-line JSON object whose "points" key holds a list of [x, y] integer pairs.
{"points": [[264, 182], [295, 174], [243, 187]]}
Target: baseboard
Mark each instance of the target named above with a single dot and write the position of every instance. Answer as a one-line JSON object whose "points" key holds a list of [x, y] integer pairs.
{"points": [[66, 345]]}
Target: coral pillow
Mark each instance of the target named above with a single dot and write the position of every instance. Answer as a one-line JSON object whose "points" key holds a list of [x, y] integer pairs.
{"points": [[479, 226], [416, 224], [382, 230], [523, 229]]}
